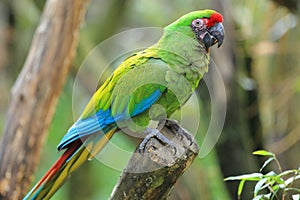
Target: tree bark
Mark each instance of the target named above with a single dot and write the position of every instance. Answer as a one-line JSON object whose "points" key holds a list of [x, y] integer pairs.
{"points": [[35, 93], [152, 174]]}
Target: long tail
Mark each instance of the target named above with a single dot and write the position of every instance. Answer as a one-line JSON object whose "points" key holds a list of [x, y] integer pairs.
{"points": [[71, 160]]}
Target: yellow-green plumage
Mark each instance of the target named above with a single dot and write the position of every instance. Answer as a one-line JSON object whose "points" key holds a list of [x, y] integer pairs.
{"points": [[166, 73]]}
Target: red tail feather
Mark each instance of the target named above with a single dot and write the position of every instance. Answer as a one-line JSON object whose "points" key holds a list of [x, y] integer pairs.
{"points": [[60, 161]]}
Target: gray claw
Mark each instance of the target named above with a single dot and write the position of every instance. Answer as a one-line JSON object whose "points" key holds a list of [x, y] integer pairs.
{"points": [[154, 133]]}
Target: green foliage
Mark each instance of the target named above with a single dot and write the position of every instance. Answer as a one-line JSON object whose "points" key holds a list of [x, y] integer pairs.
{"points": [[270, 185]]}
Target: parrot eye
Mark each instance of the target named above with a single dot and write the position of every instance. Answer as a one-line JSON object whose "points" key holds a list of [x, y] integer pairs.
{"points": [[197, 23]]}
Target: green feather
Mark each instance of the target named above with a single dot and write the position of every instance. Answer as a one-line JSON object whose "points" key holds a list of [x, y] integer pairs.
{"points": [[174, 65]]}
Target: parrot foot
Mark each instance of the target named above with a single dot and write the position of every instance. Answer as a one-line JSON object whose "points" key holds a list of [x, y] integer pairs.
{"points": [[154, 133], [173, 125]]}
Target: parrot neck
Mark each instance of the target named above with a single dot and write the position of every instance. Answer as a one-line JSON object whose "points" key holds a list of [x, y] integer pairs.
{"points": [[185, 55]]}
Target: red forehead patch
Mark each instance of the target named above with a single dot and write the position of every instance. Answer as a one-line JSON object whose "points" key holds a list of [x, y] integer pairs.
{"points": [[214, 18]]}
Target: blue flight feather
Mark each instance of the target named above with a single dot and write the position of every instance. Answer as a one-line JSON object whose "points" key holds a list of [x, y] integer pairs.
{"points": [[101, 119]]}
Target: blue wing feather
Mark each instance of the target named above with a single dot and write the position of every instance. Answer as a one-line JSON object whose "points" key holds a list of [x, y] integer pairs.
{"points": [[146, 103], [101, 119]]}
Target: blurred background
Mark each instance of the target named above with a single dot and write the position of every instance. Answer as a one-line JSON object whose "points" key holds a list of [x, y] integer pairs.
{"points": [[259, 63]]}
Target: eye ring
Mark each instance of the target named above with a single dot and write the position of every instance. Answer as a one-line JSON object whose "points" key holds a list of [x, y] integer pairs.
{"points": [[198, 23]]}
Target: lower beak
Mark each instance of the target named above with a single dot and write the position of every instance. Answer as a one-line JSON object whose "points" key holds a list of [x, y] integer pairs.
{"points": [[214, 35]]}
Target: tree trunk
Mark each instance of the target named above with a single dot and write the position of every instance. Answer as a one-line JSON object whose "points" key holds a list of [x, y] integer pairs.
{"points": [[152, 174], [35, 93]]}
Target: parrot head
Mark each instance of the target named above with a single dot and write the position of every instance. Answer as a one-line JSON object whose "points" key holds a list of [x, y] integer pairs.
{"points": [[205, 25]]}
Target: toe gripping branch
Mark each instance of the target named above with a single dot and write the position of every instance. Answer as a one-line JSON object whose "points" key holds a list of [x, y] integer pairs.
{"points": [[162, 157], [171, 137]]}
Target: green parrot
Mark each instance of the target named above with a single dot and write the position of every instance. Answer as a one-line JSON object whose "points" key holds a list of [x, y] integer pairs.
{"points": [[166, 74]]}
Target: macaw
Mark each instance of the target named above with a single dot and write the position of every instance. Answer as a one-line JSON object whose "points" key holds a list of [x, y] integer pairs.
{"points": [[166, 74]]}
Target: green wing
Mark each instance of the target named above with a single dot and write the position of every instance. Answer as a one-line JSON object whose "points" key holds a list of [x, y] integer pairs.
{"points": [[135, 85]]}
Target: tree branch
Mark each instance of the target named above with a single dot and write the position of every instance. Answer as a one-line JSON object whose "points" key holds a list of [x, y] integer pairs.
{"points": [[152, 174], [35, 93]]}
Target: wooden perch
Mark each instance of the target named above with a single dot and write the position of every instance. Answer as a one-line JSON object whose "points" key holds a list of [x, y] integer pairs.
{"points": [[35, 93], [152, 174]]}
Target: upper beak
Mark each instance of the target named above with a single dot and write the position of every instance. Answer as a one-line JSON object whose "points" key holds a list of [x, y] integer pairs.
{"points": [[215, 34]]}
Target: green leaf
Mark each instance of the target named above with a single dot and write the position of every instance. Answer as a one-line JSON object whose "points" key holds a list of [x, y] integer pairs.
{"points": [[248, 177], [287, 172], [240, 188], [278, 179], [293, 189], [291, 179], [263, 153], [270, 174], [296, 196], [274, 193], [277, 187], [262, 197], [259, 186], [266, 163]]}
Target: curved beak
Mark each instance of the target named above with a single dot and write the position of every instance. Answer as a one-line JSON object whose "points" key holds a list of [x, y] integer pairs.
{"points": [[214, 35]]}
